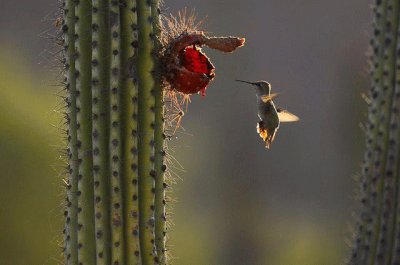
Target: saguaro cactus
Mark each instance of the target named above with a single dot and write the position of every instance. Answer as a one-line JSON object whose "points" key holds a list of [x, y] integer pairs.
{"points": [[111, 111], [113, 56], [377, 238]]}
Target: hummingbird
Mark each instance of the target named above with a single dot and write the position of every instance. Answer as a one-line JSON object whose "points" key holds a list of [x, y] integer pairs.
{"points": [[270, 115]]}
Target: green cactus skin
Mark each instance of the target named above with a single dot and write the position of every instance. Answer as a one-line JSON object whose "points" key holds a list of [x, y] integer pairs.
{"points": [[110, 113], [160, 167], [117, 225], [146, 143], [71, 213], [378, 230], [116, 212], [83, 75], [129, 98], [100, 132], [388, 171], [369, 203]]}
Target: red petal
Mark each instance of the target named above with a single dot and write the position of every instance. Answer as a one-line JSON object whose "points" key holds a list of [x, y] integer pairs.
{"points": [[189, 82], [195, 61], [194, 72]]}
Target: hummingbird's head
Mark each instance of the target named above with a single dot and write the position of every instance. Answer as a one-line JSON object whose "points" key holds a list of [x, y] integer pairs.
{"points": [[262, 87]]}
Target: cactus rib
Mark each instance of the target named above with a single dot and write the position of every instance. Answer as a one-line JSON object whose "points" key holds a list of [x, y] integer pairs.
{"points": [[71, 222], [117, 239], [383, 242], [100, 133], [159, 212], [129, 127], [146, 110], [86, 236], [377, 241]]}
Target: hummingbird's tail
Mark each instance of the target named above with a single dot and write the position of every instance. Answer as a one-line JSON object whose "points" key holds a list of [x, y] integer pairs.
{"points": [[266, 134]]}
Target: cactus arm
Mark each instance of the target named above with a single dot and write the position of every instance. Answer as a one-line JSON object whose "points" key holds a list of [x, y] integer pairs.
{"points": [[129, 126], [71, 222], [369, 185], [86, 236], [381, 248], [392, 173], [377, 182], [146, 110], [378, 228], [159, 211], [100, 133], [363, 241], [117, 242], [396, 151]]}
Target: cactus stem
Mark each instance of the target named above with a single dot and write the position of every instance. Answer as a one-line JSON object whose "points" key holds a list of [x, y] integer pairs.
{"points": [[117, 238], [129, 99], [369, 187], [83, 58], [146, 132], [382, 226], [71, 223], [392, 167], [377, 241], [115, 52], [396, 120], [160, 167], [100, 132]]}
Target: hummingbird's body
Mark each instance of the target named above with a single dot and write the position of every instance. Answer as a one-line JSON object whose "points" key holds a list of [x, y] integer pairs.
{"points": [[270, 116], [269, 120]]}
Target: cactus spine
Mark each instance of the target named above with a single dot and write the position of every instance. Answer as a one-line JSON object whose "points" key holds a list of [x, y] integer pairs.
{"points": [[129, 93], [71, 221], [100, 133], [377, 239], [160, 167], [115, 132], [147, 172], [83, 75]]}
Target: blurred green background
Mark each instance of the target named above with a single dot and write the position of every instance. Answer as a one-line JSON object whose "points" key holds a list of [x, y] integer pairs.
{"points": [[236, 202]]}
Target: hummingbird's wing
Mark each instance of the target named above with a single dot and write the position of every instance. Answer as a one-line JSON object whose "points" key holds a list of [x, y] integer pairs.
{"points": [[267, 98], [286, 116]]}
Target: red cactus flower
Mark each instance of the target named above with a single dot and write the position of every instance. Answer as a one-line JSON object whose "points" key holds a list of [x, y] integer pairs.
{"points": [[195, 73], [189, 69]]}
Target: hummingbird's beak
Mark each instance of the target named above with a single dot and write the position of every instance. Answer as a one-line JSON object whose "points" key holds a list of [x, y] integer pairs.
{"points": [[247, 82]]}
